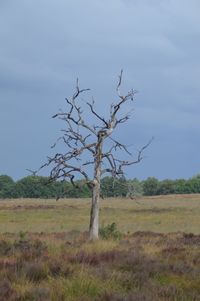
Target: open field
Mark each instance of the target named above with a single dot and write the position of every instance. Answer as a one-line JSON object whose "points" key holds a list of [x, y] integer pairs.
{"points": [[45, 255], [159, 214]]}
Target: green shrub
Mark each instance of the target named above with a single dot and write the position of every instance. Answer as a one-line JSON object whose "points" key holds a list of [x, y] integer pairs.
{"points": [[110, 232]]}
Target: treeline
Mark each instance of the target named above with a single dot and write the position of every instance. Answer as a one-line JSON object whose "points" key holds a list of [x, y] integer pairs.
{"points": [[40, 187]]}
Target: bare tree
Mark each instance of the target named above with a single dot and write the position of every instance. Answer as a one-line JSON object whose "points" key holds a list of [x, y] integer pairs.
{"points": [[80, 137]]}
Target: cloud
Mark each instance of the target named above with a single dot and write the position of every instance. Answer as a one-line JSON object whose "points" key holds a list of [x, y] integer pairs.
{"points": [[173, 119], [45, 45]]}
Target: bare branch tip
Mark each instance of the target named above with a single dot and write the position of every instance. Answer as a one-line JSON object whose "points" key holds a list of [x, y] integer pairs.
{"points": [[33, 172]]}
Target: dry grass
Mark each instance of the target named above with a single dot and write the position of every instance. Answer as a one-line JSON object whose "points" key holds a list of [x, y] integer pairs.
{"points": [[159, 214], [45, 254], [123, 270]]}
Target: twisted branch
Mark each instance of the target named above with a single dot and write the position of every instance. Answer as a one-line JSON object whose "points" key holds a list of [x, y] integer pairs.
{"points": [[80, 137]]}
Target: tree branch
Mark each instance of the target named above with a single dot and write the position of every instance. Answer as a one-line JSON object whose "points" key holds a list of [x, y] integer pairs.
{"points": [[80, 137]]}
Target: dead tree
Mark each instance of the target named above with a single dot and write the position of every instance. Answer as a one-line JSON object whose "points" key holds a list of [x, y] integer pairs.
{"points": [[80, 137]]}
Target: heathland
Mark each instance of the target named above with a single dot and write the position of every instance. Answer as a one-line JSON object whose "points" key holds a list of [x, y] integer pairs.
{"points": [[149, 250]]}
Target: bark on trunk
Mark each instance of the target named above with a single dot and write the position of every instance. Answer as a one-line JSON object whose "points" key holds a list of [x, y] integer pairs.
{"points": [[94, 214]]}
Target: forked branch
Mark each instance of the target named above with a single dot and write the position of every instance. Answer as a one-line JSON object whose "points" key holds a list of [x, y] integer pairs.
{"points": [[83, 140]]}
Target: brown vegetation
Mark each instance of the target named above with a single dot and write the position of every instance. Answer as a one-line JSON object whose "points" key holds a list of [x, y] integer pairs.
{"points": [[125, 265], [143, 266]]}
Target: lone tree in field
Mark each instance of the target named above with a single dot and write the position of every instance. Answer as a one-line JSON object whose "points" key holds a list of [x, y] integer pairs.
{"points": [[83, 141]]}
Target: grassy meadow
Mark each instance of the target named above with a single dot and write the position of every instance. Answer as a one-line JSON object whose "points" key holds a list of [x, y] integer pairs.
{"points": [[45, 254]]}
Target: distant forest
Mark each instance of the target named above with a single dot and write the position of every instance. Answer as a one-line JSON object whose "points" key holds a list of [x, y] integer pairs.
{"points": [[41, 187]]}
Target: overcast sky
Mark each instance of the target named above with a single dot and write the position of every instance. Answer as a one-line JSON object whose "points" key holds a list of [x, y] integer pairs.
{"points": [[46, 44]]}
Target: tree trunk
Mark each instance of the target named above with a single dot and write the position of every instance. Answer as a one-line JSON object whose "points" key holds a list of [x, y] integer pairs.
{"points": [[94, 214]]}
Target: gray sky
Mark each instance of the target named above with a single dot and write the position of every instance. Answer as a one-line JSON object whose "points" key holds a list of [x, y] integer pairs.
{"points": [[46, 44]]}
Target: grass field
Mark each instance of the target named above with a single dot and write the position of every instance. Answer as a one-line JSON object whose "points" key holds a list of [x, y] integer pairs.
{"points": [[160, 214], [45, 254]]}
